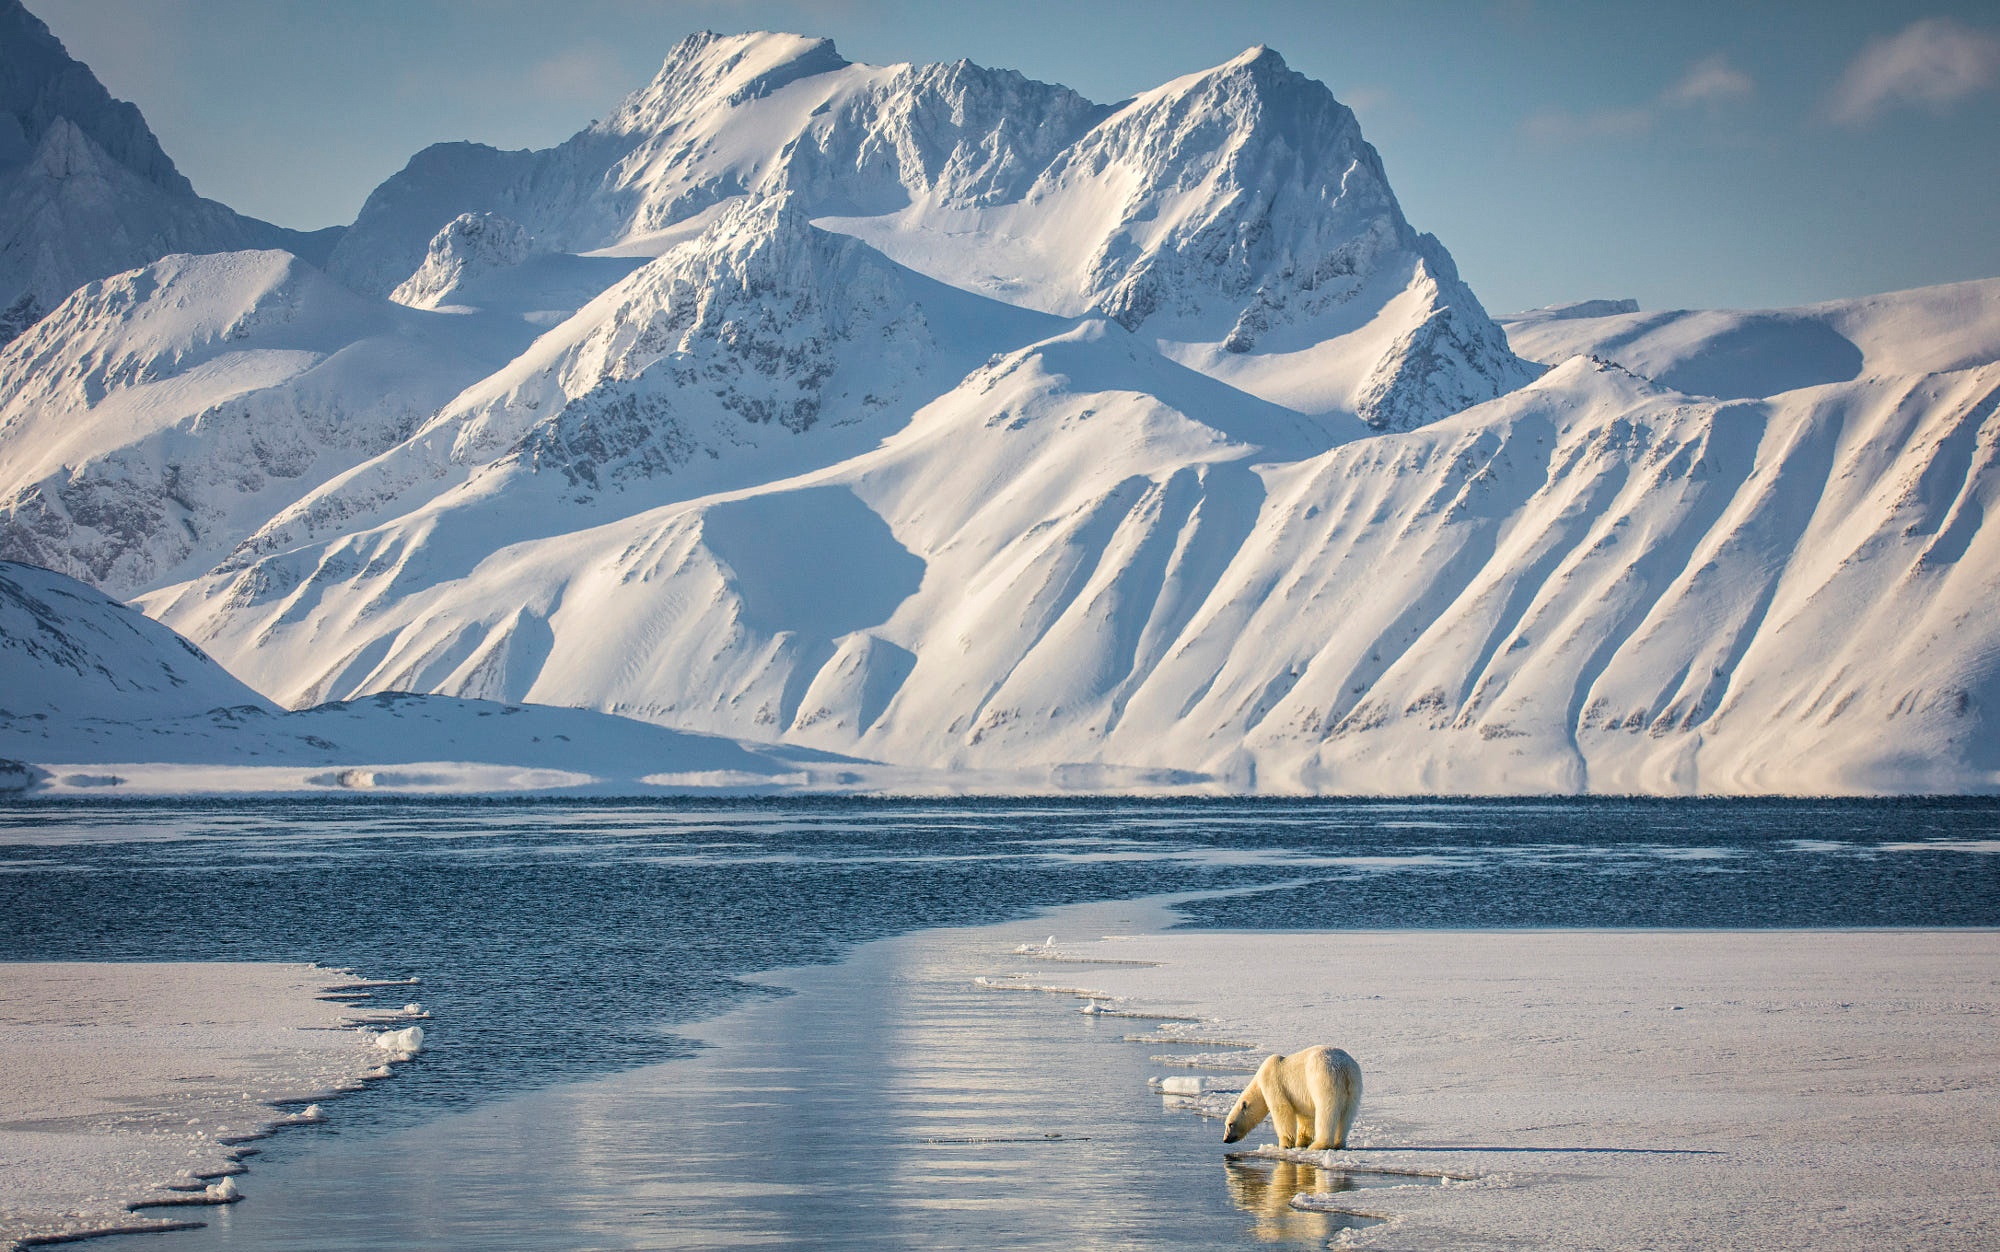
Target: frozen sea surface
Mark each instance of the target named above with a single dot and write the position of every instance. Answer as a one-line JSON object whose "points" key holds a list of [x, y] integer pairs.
{"points": [[570, 953]]}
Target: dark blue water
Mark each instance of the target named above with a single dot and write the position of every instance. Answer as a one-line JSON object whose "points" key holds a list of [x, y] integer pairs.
{"points": [[555, 940]]}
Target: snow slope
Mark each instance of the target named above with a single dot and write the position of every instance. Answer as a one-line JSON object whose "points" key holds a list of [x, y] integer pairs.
{"points": [[99, 699], [940, 419], [71, 653], [157, 417], [1592, 584], [760, 348], [85, 191], [1741, 355]]}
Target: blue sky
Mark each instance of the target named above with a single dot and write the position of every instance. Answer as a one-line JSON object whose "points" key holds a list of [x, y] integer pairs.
{"points": [[1686, 153]]}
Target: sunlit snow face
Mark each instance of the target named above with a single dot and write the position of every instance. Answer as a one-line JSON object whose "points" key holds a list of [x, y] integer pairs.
{"points": [[1250, 1109]]}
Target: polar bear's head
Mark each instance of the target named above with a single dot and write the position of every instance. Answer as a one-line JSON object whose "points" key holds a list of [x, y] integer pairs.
{"points": [[1249, 1110]]}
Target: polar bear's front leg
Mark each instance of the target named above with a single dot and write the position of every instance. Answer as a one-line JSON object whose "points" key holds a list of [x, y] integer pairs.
{"points": [[1285, 1116], [1287, 1127], [1302, 1130]]}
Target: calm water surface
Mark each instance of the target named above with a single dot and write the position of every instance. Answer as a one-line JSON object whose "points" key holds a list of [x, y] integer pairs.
{"points": [[570, 953]]}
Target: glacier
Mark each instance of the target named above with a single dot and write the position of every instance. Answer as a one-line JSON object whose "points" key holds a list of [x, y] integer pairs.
{"points": [[945, 430]]}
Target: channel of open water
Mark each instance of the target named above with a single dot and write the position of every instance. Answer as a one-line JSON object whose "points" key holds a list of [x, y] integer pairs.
{"points": [[726, 1024]]}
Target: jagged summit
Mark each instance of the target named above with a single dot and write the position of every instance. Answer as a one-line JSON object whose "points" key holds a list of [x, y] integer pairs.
{"points": [[709, 69], [1236, 216], [43, 88], [728, 116], [85, 189]]}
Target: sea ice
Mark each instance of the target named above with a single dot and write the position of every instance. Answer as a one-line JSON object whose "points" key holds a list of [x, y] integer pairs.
{"points": [[131, 1083], [409, 1040], [1815, 1088], [1194, 1085]]}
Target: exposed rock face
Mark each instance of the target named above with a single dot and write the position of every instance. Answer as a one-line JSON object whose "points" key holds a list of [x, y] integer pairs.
{"points": [[85, 189], [470, 245]]}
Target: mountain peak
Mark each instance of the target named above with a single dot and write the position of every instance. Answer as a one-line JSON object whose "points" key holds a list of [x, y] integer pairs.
{"points": [[87, 190], [469, 245], [1259, 56], [42, 86], [723, 70]]}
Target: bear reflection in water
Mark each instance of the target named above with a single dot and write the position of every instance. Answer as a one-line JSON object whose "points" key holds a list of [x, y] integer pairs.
{"points": [[1264, 1189]]}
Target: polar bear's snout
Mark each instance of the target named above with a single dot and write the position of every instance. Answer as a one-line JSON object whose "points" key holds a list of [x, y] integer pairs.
{"points": [[1244, 1116]]}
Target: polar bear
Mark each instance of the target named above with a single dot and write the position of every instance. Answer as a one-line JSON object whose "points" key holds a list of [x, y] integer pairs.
{"points": [[1310, 1097]]}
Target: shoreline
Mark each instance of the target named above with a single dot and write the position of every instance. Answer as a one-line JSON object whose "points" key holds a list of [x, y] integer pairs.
{"points": [[29, 779], [133, 1088], [1461, 1143], [1611, 1089]]}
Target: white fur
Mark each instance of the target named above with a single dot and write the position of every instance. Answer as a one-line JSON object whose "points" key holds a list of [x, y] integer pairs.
{"points": [[1310, 1097]]}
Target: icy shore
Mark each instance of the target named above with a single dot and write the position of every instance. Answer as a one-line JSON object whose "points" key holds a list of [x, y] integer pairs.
{"points": [[130, 1089], [1608, 1089]]}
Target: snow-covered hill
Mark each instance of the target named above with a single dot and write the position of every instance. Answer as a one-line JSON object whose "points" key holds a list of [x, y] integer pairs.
{"points": [[938, 419], [1740, 355], [156, 417], [72, 653], [1593, 583], [85, 191], [100, 700]]}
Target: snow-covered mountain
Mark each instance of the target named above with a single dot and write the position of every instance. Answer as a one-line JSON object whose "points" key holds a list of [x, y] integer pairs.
{"points": [[1086, 558], [157, 416], [1236, 216], [99, 699], [73, 653], [85, 191], [1742, 355], [935, 418]]}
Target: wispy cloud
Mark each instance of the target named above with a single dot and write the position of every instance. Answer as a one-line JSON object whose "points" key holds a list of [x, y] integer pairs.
{"points": [[1711, 80], [1934, 63], [1711, 83]]}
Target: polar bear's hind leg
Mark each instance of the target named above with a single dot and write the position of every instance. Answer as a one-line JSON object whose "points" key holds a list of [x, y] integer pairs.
{"points": [[1336, 1086], [1347, 1094]]}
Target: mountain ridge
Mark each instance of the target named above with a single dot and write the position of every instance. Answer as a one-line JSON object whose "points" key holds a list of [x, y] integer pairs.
{"points": [[86, 190], [975, 434]]}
